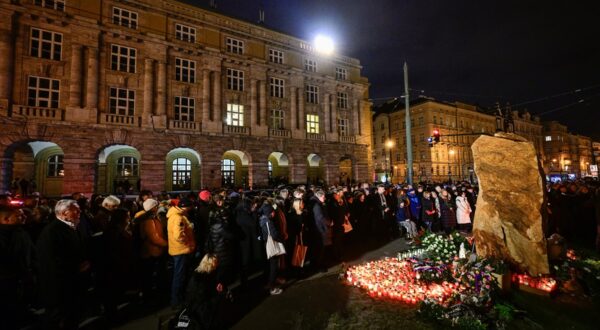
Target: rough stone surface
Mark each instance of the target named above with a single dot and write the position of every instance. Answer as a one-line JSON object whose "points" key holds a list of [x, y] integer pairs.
{"points": [[508, 221]]}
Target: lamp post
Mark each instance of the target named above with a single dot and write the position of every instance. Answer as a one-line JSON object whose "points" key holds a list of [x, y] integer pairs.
{"points": [[388, 145]]}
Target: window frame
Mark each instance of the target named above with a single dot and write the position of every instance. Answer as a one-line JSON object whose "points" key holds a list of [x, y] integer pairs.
{"points": [[234, 115], [312, 123], [276, 56], [277, 87], [343, 126], [277, 119], [130, 20], [341, 73], [55, 4], [40, 41], [53, 93], [310, 65], [234, 46], [176, 172], [117, 59], [123, 162], [55, 166], [129, 100], [235, 80], [185, 66], [311, 94], [227, 171], [187, 36], [342, 100], [182, 110]]}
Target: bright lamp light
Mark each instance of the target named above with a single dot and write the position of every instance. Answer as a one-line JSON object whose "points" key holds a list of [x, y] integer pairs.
{"points": [[323, 44]]}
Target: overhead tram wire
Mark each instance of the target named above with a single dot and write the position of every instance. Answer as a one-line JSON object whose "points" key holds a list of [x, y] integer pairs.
{"points": [[580, 101]]}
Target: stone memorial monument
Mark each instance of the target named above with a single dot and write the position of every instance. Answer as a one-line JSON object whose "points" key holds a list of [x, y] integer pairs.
{"points": [[508, 221]]}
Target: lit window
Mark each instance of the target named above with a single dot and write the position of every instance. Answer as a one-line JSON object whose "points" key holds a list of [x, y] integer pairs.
{"points": [[312, 124], [275, 56], [227, 172], [235, 115], [277, 87], [46, 44], [122, 58], [342, 100], [184, 108], [43, 92], [310, 65], [121, 101], [235, 80], [270, 169], [125, 17], [55, 166], [341, 74], [185, 33], [234, 46], [127, 166], [548, 138], [312, 94], [52, 4], [277, 117], [185, 70], [182, 174]]}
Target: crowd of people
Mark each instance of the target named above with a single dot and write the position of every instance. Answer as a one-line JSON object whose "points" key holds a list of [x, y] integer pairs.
{"points": [[190, 249]]}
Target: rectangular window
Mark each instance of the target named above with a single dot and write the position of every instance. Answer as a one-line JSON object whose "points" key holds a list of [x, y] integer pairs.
{"points": [[185, 70], [342, 100], [235, 115], [277, 117], [234, 46], [312, 124], [277, 87], [343, 127], [52, 4], [235, 80], [548, 138], [434, 119], [341, 74], [43, 92], [46, 44], [122, 58], [310, 65], [185, 33], [312, 94], [121, 101], [184, 108], [275, 56], [125, 17], [421, 121]]}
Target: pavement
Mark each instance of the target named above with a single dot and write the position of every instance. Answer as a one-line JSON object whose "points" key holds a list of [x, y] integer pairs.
{"points": [[307, 303]]}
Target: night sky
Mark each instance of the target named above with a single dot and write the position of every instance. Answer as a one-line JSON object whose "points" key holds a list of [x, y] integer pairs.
{"points": [[478, 52]]}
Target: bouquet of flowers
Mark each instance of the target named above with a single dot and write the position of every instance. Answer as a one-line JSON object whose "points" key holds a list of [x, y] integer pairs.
{"points": [[440, 248]]}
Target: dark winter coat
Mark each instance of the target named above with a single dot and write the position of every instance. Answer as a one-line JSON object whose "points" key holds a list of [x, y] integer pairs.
{"points": [[318, 218], [429, 206], [448, 214], [221, 237]]}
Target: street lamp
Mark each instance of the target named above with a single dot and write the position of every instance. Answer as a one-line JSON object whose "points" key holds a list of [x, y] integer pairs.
{"points": [[323, 44], [388, 145]]}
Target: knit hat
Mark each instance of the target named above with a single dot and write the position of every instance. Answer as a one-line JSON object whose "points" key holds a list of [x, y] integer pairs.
{"points": [[204, 195], [149, 204]]}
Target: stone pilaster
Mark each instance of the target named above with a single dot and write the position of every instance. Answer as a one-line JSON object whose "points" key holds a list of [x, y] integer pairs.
{"points": [[75, 81], [254, 115], [293, 109], [6, 60], [216, 97], [326, 114], [205, 98], [160, 120], [91, 89], [262, 129], [148, 89]]}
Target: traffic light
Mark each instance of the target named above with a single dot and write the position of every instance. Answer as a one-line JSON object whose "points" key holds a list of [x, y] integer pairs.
{"points": [[430, 141], [436, 135]]}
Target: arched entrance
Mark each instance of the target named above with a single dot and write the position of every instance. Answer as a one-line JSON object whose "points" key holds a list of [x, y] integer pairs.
{"points": [[279, 169], [118, 170], [235, 169], [346, 172], [37, 166], [315, 172], [183, 170]]}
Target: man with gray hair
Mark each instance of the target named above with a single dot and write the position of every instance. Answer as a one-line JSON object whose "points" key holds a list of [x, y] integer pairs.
{"points": [[61, 265]]}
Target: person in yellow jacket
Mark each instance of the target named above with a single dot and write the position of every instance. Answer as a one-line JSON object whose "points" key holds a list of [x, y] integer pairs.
{"points": [[181, 246]]}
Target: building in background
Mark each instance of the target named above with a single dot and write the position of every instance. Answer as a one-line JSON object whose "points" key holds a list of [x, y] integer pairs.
{"points": [[115, 96], [561, 154]]}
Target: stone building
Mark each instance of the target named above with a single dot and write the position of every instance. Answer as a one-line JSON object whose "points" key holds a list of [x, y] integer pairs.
{"points": [[459, 125], [99, 96], [567, 155]]}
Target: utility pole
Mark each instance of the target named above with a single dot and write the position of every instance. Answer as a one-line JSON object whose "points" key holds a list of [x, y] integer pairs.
{"points": [[409, 155]]}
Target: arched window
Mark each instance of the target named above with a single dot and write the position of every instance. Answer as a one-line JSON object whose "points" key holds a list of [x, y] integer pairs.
{"points": [[127, 166], [182, 174], [55, 166], [228, 172]]}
